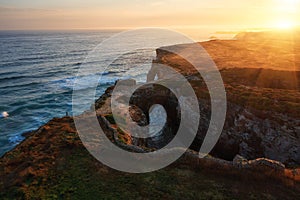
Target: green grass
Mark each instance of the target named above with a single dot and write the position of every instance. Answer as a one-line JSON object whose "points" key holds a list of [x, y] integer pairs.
{"points": [[79, 179], [77, 175]]}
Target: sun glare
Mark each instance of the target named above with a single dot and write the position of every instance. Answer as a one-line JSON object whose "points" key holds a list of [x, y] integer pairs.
{"points": [[286, 16], [289, 5], [285, 24]]}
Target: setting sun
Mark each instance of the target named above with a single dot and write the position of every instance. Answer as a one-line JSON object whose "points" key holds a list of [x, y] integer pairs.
{"points": [[286, 14], [285, 24]]}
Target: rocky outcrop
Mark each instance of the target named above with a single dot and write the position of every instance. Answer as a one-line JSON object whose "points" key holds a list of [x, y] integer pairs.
{"points": [[262, 120], [272, 135], [250, 133], [226, 146], [258, 164]]}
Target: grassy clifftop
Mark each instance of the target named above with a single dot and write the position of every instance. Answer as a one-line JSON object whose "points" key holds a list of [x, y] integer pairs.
{"points": [[53, 164], [259, 70]]}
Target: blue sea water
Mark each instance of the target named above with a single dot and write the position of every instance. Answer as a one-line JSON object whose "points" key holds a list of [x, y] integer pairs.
{"points": [[37, 73]]}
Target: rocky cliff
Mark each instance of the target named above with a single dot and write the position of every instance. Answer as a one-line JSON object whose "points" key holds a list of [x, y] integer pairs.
{"points": [[247, 132], [263, 104]]}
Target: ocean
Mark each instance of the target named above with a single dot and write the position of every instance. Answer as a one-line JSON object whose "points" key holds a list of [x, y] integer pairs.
{"points": [[37, 74]]}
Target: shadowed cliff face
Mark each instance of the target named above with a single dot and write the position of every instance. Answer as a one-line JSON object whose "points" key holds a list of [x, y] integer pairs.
{"points": [[248, 132], [149, 95]]}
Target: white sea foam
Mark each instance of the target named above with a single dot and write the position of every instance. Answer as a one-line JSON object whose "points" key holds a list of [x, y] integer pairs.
{"points": [[4, 114], [16, 139]]}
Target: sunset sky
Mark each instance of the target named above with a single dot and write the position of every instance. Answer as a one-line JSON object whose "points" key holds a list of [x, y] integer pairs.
{"points": [[98, 14]]}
